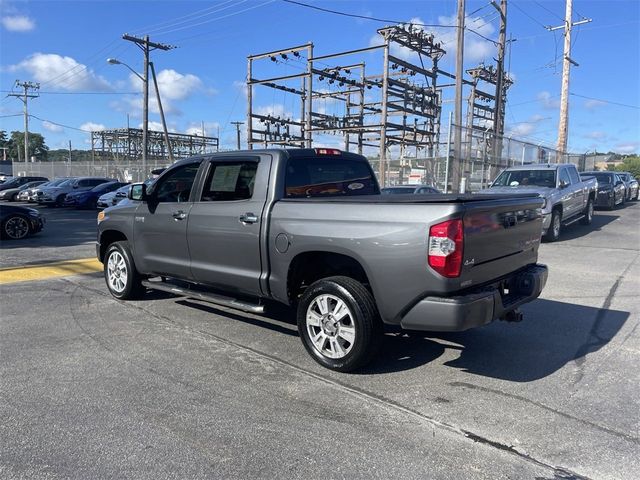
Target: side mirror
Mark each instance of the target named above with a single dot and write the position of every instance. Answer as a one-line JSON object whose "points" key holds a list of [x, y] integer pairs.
{"points": [[138, 191], [75, 186], [563, 184]]}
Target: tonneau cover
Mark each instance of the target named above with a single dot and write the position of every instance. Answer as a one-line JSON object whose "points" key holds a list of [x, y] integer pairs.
{"points": [[420, 198]]}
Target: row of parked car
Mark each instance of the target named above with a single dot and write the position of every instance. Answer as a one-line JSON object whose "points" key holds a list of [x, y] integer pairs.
{"points": [[79, 192]]}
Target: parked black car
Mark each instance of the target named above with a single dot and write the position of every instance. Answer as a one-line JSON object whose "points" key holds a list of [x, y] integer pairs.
{"points": [[19, 222], [611, 189], [16, 182], [631, 184]]}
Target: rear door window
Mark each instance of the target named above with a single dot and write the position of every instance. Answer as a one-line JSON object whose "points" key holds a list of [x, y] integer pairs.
{"points": [[328, 176], [573, 173], [227, 181]]}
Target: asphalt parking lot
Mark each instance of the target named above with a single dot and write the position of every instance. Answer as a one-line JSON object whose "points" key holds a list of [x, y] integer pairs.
{"points": [[91, 387]]}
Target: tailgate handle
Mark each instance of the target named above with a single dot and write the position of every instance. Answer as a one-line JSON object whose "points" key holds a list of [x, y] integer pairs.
{"points": [[510, 221]]}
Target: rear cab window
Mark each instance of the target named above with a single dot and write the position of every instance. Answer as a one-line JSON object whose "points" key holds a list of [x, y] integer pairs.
{"points": [[328, 176]]}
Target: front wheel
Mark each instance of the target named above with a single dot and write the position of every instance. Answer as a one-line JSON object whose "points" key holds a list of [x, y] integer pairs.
{"points": [[553, 233], [15, 227], [123, 280], [588, 214], [338, 323]]}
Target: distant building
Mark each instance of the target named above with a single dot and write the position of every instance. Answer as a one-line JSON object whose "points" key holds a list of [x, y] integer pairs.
{"points": [[602, 161]]}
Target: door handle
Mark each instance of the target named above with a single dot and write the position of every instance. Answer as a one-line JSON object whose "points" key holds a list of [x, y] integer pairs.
{"points": [[248, 218], [179, 215]]}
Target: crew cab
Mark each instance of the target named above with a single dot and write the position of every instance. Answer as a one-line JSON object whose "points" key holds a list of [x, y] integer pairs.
{"points": [[567, 197], [309, 228]]}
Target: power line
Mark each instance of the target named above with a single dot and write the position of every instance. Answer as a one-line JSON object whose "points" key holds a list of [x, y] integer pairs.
{"points": [[181, 40], [82, 93], [170, 28], [11, 115], [216, 18], [175, 21], [382, 20], [59, 124], [606, 101], [550, 11], [531, 17]]}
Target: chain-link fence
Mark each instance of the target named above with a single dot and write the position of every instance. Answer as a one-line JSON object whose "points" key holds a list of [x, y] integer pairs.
{"points": [[129, 171], [479, 161]]}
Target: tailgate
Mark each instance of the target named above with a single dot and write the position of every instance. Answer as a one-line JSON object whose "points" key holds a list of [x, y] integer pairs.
{"points": [[500, 236]]}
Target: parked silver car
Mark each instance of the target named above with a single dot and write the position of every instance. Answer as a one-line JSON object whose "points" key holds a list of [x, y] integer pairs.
{"points": [[53, 196], [113, 198]]}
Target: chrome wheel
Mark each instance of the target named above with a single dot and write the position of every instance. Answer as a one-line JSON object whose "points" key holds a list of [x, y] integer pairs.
{"points": [[330, 326], [556, 226], [117, 272], [16, 228]]}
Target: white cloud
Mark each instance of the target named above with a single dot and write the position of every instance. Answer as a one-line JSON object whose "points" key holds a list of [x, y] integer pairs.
{"points": [[596, 135], [157, 127], [92, 127], [173, 86], [18, 23], [627, 147], [524, 129], [52, 127], [59, 72], [593, 104], [242, 86], [548, 101], [210, 129]]}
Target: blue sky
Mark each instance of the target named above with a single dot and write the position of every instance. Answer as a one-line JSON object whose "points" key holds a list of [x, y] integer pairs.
{"points": [[64, 46]]}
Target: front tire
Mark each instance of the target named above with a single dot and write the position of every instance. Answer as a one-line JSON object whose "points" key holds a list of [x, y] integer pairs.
{"points": [[123, 280], [16, 227], [339, 324], [553, 234], [588, 214]]}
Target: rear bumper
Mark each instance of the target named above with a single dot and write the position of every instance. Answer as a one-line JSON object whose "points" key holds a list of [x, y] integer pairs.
{"points": [[477, 308]]}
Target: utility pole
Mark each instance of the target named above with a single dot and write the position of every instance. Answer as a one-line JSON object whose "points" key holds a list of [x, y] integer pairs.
{"points": [[457, 171], [237, 124], [563, 125], [25, 96], [499, 106], [164, 122], [146, 46]]}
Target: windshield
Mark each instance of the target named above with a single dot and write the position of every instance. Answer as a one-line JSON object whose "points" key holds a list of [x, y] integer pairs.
{"points": [[65, 183], [12, 181], [522, 178]]}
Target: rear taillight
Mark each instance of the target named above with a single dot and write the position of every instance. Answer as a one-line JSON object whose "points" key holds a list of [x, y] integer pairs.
{"points": [[445, 247]]}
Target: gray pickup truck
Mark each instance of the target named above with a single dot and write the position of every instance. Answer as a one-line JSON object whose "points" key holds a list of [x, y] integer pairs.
{"points": [[567, 197], [309, 228]]}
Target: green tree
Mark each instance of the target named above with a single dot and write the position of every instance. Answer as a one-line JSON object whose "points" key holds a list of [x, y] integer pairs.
{"points": [[37, 147], [631, 165]]}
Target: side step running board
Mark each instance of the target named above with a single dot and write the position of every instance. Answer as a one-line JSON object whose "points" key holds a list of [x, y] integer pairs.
{"points": [[216, 299], [574, 220]]}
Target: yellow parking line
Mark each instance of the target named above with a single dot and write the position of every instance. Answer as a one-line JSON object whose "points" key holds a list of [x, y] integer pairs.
{"points": [[50, 270]]}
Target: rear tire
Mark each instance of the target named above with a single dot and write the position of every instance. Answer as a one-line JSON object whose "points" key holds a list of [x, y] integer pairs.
{"points": [[123, 280], [553, 234], [339, 324], [588, 214]]}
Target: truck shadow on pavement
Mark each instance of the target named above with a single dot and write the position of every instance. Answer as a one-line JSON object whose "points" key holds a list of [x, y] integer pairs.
{"points": [[552, 335], [600, 220]]}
